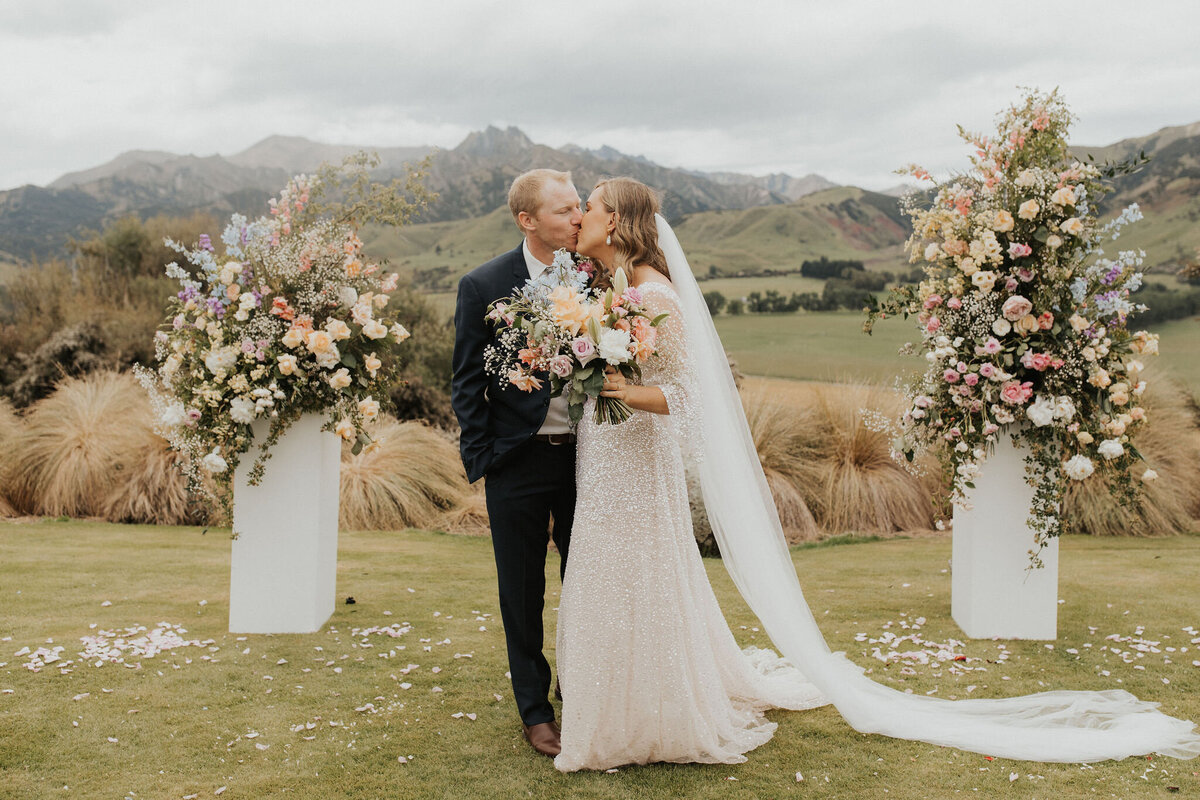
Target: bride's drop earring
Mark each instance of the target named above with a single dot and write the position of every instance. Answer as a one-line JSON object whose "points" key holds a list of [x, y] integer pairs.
{"points": [[608, 240]]}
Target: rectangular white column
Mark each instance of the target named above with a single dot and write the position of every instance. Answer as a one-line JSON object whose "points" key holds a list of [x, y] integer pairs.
{"points": [[994, 594], [284, 564]]}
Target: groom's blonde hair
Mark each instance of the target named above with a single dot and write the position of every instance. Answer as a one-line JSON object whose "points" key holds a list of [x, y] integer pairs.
{"points": [[526, 191]]}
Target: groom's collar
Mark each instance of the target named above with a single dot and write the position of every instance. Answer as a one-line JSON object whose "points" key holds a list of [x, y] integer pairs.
{"points": [[532, 264]]}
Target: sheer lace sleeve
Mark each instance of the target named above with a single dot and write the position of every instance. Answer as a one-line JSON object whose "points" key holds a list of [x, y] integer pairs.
{"points": [[671, 370]]}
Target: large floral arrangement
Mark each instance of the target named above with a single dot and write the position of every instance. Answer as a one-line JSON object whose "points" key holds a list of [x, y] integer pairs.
{"points": [[555, 325], [1024, 319], [288, 317]]}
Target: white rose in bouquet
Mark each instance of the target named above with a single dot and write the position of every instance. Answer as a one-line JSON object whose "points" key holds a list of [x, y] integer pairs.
{"points": [[1110, 448]]}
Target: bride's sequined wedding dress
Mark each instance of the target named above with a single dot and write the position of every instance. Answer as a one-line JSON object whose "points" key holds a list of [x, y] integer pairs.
{"points": [[649, 669]]}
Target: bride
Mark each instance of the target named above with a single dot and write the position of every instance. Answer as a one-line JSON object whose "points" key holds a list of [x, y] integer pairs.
{"points": [[649, 670]]}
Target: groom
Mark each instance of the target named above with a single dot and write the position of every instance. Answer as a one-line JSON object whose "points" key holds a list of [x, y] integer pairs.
{"points": [[521, 441]]}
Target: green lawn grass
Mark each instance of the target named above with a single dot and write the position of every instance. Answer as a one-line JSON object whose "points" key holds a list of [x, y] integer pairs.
{"points": [[183, 721]]}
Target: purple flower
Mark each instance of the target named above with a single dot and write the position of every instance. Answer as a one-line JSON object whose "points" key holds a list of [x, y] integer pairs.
{"points": [[205, 242]]}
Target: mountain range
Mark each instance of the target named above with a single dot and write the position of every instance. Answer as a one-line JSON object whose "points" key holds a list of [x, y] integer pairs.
{"points": [[736, 223], [471, 180]]}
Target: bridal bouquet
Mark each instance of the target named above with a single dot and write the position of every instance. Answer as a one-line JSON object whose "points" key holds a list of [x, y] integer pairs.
{"points": [[1024, 319], [288, 317], [555, 325]]}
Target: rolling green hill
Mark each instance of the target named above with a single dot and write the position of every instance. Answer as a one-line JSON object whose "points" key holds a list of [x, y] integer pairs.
{"points": [[839, 223]]}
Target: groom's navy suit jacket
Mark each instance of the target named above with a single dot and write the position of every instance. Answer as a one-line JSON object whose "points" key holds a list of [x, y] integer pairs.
{"points": [[494, 420]]}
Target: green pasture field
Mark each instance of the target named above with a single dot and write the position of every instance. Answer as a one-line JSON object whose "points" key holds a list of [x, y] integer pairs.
{"points": [[830, 346], [330, 714], [784, 284]]}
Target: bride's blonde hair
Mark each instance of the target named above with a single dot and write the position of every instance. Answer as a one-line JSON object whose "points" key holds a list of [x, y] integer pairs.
{"points": [[635, 238]]}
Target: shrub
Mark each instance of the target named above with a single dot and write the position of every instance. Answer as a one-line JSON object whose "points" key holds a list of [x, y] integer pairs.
{"points": [[414, 400], [409, 480], [72, 351], [715, 302]]}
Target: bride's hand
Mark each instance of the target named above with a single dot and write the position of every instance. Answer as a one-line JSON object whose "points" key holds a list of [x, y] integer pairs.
{"points": [[614, 384]]}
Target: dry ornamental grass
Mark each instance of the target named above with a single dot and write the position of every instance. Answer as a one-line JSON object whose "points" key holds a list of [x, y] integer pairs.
{"points": [[410, 480], [1170, 443], [9, 428]]}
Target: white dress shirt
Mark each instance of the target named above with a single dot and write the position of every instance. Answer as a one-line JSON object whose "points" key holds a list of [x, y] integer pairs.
{"points": [[557, 420]]}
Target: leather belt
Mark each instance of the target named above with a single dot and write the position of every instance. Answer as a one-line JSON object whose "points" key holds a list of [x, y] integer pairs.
{"points": [[555, 438]]}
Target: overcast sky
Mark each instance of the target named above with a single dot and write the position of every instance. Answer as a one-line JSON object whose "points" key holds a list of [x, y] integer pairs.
{"points": [[849, 90]]}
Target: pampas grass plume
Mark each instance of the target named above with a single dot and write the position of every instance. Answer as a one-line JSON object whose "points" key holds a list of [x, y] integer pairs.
{"points": [[410, 480]]}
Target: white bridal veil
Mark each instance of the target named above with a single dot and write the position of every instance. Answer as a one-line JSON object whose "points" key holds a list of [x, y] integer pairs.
{"points": [[1065, 726]]}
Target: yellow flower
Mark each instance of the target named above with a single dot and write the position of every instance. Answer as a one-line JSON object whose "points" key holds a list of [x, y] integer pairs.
{"points": [[337, 329], [1063, 197], [340, 379], [369, 408], [345, 429], [569, 312], [1072, 226], [293, 338], [318, 341], [287, 364], [1029, 209], [372, 364], [374, 329], [1003, 223], [1026, 324]]}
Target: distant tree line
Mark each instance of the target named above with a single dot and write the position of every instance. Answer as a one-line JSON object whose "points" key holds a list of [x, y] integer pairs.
{"points": [[1163, 304], [847, 286], [823, 268]]}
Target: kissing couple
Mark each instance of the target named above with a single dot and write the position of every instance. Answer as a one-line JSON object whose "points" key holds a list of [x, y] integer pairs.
{"points": [[648, 670]]}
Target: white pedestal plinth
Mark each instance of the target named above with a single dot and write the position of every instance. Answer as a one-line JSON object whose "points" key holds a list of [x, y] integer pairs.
{"points": [[284, 566], [994, 594]]}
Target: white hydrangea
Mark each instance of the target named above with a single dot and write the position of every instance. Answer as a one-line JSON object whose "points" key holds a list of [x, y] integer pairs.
{"points": [[1110, 448], [1064, 408], [214, 463], [242, 410], [614, 346], [1078, 467], [1041, 411], [221, 360]]}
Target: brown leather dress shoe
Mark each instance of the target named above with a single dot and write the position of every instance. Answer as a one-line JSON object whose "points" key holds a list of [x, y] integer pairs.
{"points": [[545, 738]]}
